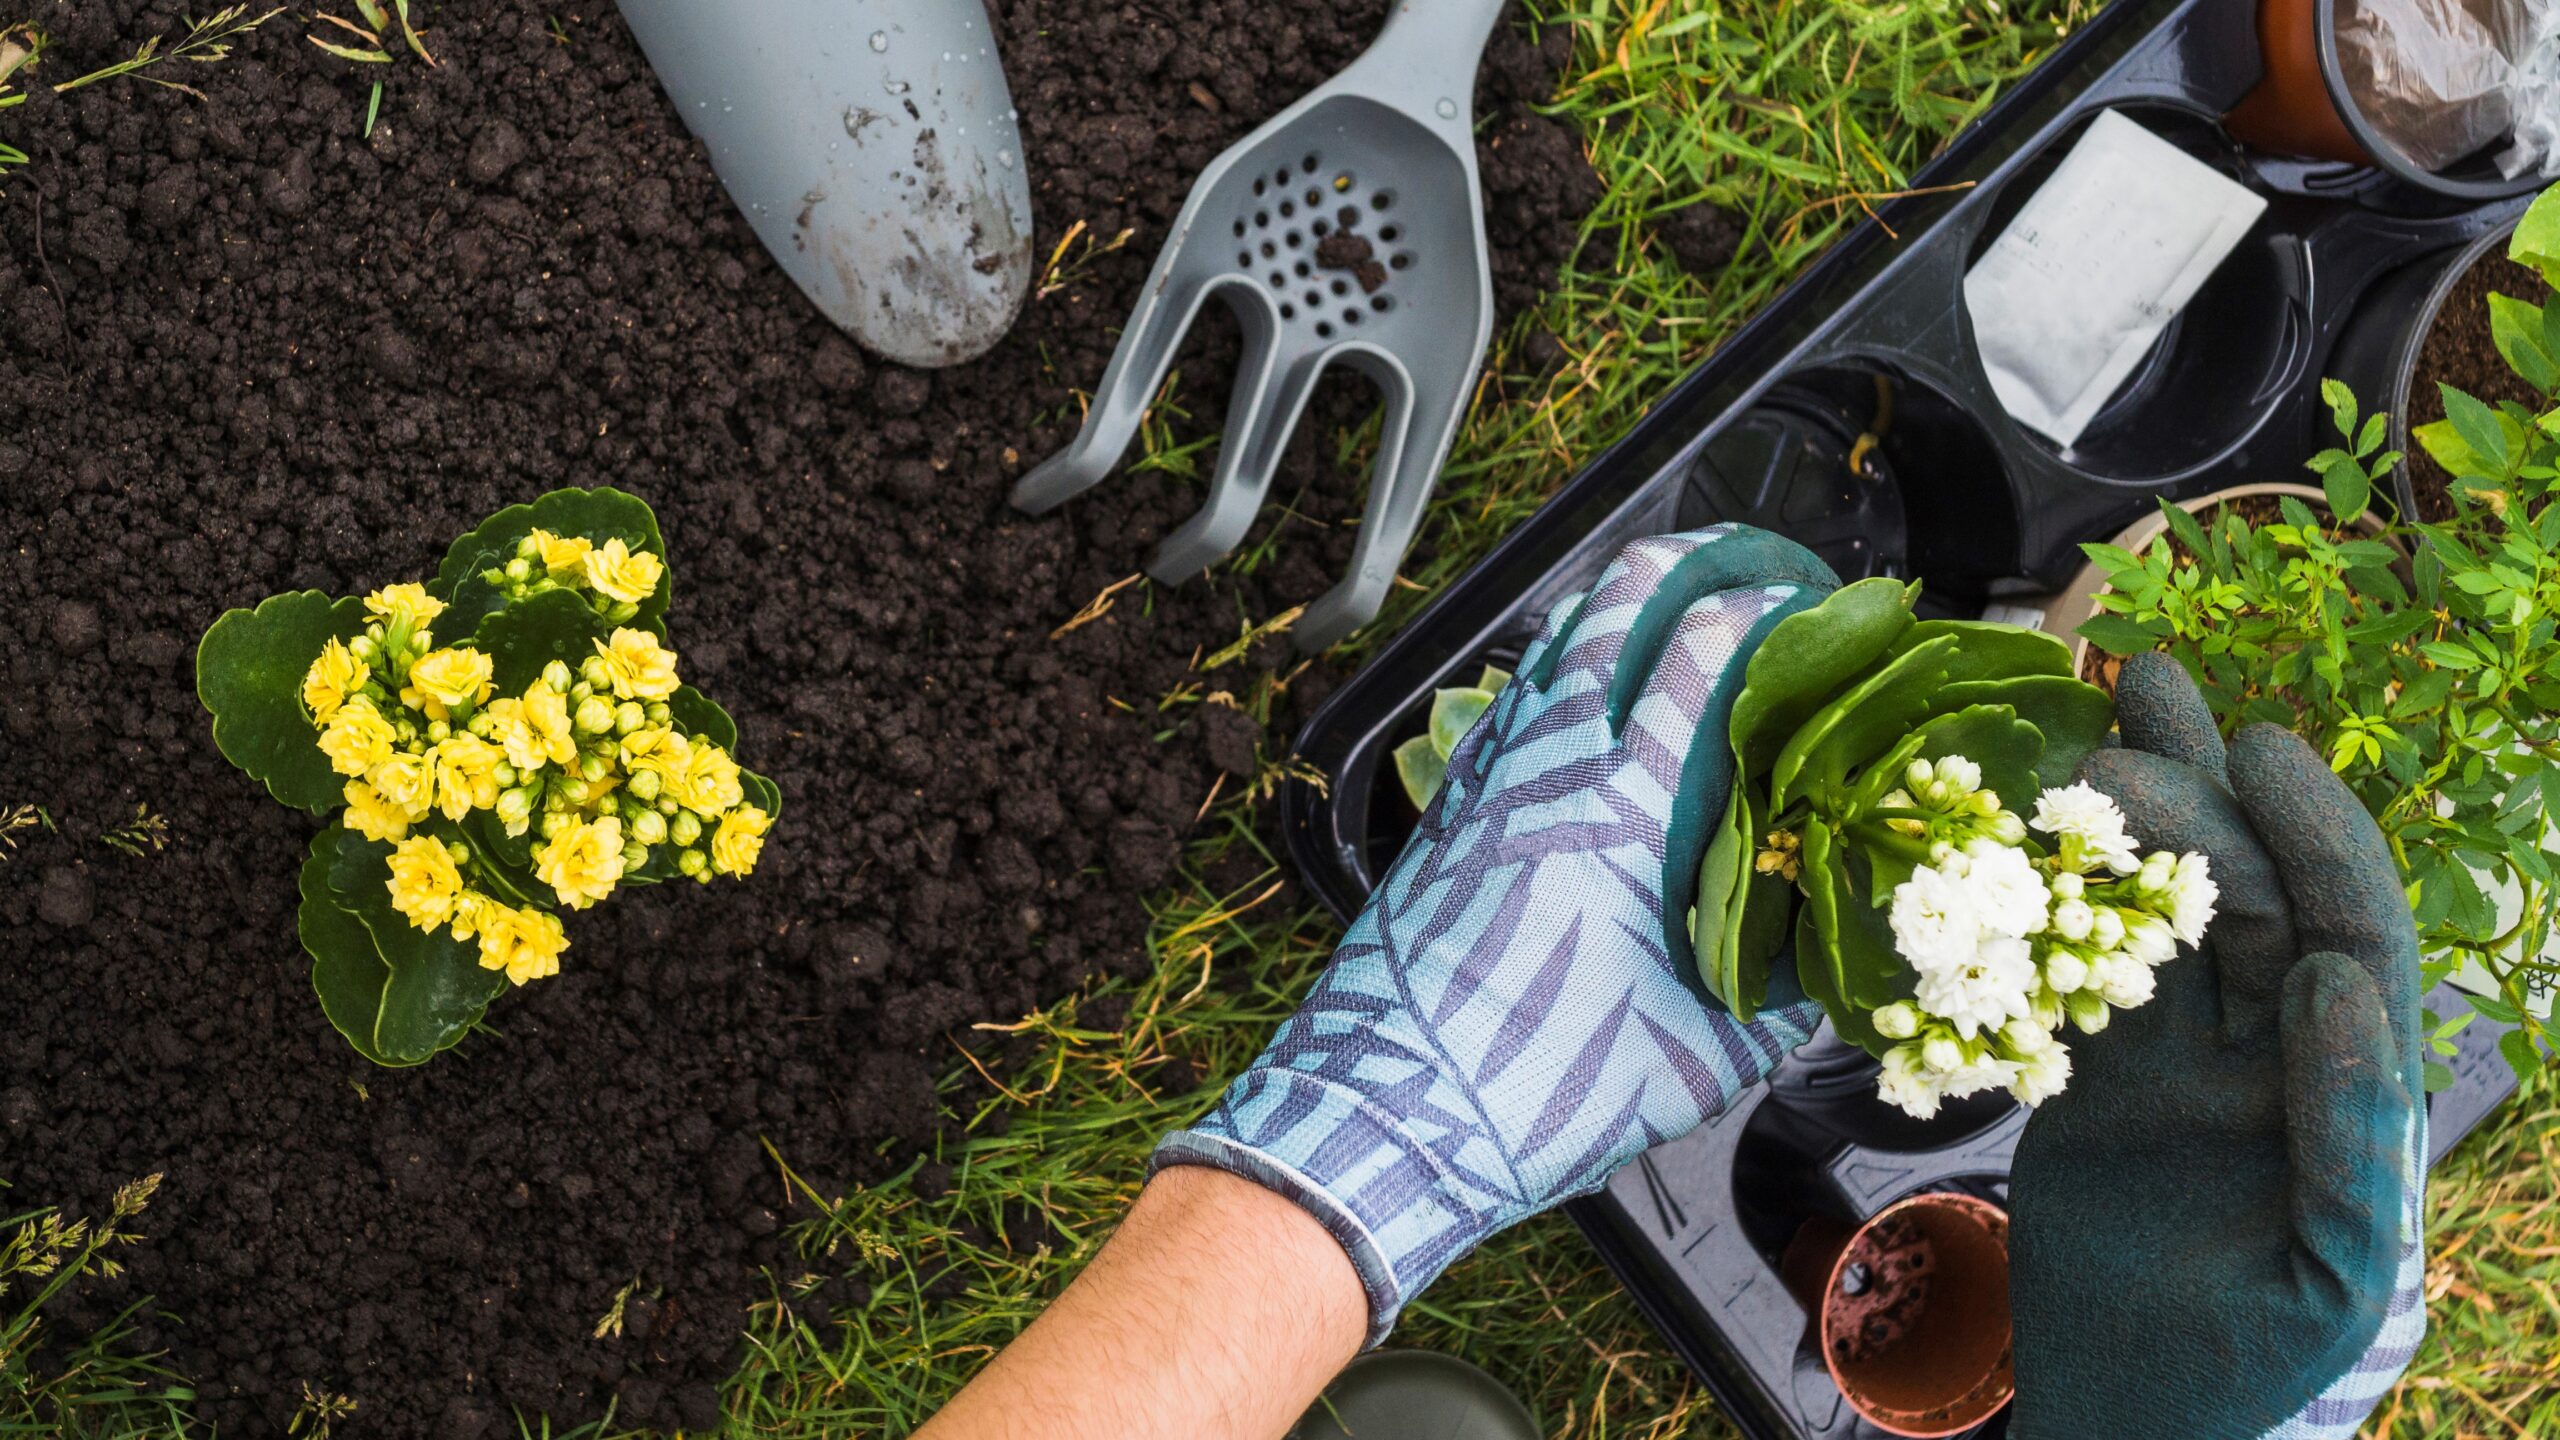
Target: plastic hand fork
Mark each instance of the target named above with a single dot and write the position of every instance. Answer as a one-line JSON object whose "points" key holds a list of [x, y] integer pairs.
{"points": [[1347, 230]]}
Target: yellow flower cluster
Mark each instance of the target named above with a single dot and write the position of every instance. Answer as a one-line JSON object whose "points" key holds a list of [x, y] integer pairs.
{"points": [[618, 576], [594, 761]]}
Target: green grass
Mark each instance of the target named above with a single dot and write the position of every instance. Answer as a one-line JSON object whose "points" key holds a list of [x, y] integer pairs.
{"points": [[1796, 115]]}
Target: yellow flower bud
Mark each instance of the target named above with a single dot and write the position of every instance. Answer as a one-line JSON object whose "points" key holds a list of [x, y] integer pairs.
{"points": [[403, 604], [356, 738], [405, 782], [424, 883], [583, 862], [619, 573], [739, 840], [566, 555], [372, 817], [333, 677], [466, 774], [638, 667], [453, 678]]}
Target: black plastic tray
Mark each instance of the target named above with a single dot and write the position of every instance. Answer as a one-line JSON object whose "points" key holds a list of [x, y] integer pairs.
{"points": [[1874, 338]]}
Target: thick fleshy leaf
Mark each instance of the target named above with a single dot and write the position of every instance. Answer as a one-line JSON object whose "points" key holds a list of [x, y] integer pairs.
{"points": [[346, 971], [1493, 679], [1860, 723], [1755, 921], [1807, 658], [1820, 968], [697, 714], [2008, 749], [434, 990], [1988, 651], [522, 638], [249, 670], [2072, 716], [1453, 713], [599, 515], [1719, 878], [1420, 768]]}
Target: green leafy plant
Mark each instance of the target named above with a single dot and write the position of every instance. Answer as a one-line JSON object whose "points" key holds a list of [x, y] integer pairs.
{"points": [[548, 758], [2430, 682], [206, 42], [97, 1383], [1423, 761]]}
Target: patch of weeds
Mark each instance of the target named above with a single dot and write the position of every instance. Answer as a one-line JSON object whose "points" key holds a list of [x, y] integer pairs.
{"points": [[1160, 431], [96, 1387], [319, 1413], [144, 833], [15, 821], [1073, 258], [375, 45], [206, 42]]}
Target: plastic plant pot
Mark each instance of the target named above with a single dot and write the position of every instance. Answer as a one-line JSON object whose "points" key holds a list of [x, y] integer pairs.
{"points": [[2304, 106], [1911, 1311]]}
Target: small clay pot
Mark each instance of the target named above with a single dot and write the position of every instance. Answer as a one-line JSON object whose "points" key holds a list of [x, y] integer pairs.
{"points": [[2290, 112], [1911, 1311]]}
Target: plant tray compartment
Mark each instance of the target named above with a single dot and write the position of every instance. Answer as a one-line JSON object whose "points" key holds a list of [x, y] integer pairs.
{"points": [[1873, 344]]}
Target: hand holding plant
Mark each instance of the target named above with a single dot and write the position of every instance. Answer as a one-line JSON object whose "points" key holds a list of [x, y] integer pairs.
{"points": [[540, 763]]}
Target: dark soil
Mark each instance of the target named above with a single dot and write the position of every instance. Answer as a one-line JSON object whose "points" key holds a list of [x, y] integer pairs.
{"points": [[243, 350], [2460, 352]]}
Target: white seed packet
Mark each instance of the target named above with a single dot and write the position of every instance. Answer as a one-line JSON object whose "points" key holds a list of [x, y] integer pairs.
{"points": [[2095, 265]]}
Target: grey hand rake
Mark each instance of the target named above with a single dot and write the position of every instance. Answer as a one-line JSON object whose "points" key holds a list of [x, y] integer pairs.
{"points": [[1347, 230]]}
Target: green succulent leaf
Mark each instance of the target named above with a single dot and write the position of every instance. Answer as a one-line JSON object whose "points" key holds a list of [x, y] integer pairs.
{"points": [[524, 637], [1862, 721], [600, 514], [1809, 656], [697, 714], [249, 670], [1720, 875], [1453, 714], [1989, 651], [1420, 767], [1844, 952], [1493, 679], [1755, 924], [419, 991], [2071, 716]]}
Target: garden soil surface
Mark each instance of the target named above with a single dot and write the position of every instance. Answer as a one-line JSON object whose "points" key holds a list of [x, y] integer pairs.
{"points": [[244, 349]]}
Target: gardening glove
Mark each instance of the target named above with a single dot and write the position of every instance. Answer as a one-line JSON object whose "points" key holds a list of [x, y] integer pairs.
{"points": [[1517, 1012], [2215, 1229]]}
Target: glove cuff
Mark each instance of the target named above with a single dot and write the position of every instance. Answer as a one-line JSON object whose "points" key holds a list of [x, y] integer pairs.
{"points": [[1374, 1186], [2339, 1412]]}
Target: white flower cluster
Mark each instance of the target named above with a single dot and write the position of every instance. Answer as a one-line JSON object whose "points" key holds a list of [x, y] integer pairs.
{"points": [[2007, 945]]}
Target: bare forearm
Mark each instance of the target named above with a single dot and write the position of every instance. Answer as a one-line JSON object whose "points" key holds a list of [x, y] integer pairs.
{"points": [[1217, 1312]]}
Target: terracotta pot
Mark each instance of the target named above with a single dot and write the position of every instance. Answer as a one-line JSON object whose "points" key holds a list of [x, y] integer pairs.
{"points": [[2290, 111], [2068, 609], [1911, 1310]]}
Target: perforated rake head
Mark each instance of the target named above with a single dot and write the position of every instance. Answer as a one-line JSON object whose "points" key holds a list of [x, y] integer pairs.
{"points": [[1346, 230]]}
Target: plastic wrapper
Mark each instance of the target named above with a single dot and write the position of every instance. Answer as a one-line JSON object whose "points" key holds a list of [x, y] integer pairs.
{"points": [[2535, 96], [2434, 77]]}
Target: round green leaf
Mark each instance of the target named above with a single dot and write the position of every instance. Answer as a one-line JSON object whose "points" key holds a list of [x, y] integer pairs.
{"points": [[1453, 714], [600, 514], [249, 670], [1989, 651], [1807, 658], [1861, 722], [1420, 768], [434, 990], [2072, 716], [2008, 749], [346, 971], [697, 714]]}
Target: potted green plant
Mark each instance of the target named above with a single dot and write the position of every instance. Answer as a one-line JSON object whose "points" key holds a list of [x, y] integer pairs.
{"points": [[2435, 693]]}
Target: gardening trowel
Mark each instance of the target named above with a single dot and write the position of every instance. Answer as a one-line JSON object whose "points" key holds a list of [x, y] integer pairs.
{"points": [[874, 150]]}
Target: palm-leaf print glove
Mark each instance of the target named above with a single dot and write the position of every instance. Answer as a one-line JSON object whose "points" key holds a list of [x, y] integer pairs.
{"points": [[1516, 1013]]}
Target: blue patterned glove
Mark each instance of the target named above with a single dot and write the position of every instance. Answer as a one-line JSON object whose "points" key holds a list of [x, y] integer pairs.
{"points": [[1517, 1013]]}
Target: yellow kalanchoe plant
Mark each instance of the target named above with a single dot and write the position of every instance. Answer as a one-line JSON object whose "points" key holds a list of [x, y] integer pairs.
{"points": [[545, 761]]}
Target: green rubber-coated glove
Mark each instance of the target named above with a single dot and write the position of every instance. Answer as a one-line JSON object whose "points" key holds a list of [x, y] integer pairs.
{"points": [[2212, 1225]]}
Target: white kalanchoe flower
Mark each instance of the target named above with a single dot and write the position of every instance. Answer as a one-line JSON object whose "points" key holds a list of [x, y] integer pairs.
{"points": [[2042, 1075], [1898, 1021], [2123, 982], [2025, 1037], [1933, 920], [2072, 919], [2064, 971], [1961, 776], [1905, 1083], [1976, 1075], [1984, 992], [2083, 814], [2008, 893], [2192, 896], [2149, 939]]}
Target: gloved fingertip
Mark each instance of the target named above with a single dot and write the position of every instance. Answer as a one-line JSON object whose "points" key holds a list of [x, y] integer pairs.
{"points": [[2159, 709]]}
